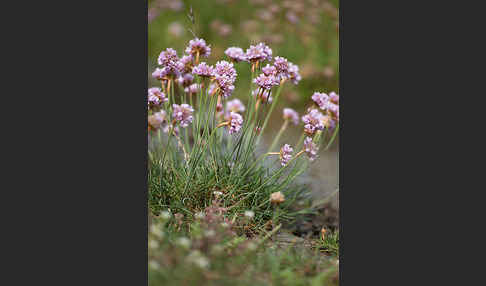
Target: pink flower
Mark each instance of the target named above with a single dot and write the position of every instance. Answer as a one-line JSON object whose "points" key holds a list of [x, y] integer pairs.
{"points": [[203, 70], [282, 67], [192, 89], [290, 114], [183, 114], [185, 80], [259, 52], [310, 148], [198, 45], [168, 57], [294, 75], [266, 82], [321, 99], [236, 54], [236, 121], [313, 122], [285, 154], [156, 97], [155, 120], [235, 105]]}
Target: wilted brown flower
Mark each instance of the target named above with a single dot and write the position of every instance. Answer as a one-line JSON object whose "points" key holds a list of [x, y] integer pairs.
{"points": [[277, 198]]}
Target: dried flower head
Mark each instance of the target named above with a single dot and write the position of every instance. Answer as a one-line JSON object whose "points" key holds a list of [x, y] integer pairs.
{"points": [[235, 54], [198, 46], [277, 198], [285, 154], [310, 148], [183, 114], [249, 214], [235, 105], [290, 114], [203, 70], [312, 122]]}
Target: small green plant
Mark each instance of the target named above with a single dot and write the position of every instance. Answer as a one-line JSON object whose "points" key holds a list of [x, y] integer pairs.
{"points": [[329, 242], [203, 146]]}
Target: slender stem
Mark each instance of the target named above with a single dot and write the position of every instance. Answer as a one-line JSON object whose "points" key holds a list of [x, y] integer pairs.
{"points": [[280, 132], [274, 103]]}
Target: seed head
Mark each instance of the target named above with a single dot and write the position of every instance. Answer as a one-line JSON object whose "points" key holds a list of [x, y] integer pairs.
{"points": [[277, 198]]}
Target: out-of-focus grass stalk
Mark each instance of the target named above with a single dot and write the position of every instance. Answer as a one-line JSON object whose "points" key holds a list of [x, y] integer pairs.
{"points": [[279, 134], [272, 106]]}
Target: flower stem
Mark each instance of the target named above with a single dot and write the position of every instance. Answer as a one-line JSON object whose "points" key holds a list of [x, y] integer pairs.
{"points": [[280, 132]]}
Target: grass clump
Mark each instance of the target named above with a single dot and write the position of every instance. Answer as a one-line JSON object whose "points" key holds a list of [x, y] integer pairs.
{"points": [[204, 146]]}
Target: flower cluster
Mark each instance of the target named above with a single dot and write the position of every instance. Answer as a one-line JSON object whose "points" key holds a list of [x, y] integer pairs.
{"points": [[197, 47], [236, 54], [235, 122], [286, 154], [203, 70], [313, 121], [182, 113], [290, 114], [330, 105], [155, 97], [310, 148], [258, 53], [225, 75]]}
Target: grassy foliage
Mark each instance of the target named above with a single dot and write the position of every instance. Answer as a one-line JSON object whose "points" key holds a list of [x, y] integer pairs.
{"points": [[211, 253]]}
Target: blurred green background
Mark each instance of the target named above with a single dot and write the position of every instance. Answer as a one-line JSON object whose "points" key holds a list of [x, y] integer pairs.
{"points": [[306, 32]]}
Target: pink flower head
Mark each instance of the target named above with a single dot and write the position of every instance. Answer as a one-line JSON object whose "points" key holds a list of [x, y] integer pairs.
{"points": [[155, 120], [192, 89], [290, 114], [185, 80], [156, 97], [168, 57], [259, 53], [313, 122], [334, 97], [198, 45], [235, 105], [203, 70], [269, 70], [236, 54], [186, 61], [183, 114], [159, 74], [310, 148], [286, 154], [224, 68], [266, 82], [282, 67], [321, 99], [236, 120], [225, 84], [294, 73]]}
